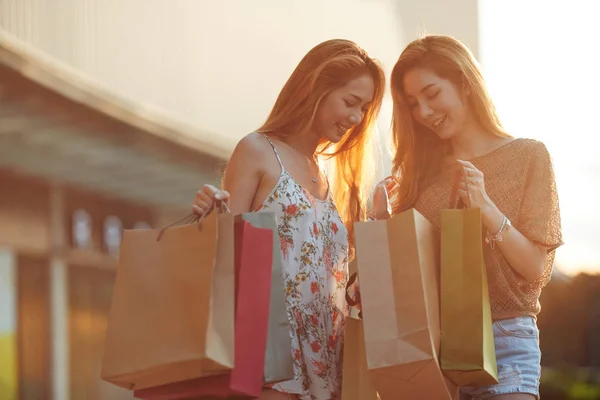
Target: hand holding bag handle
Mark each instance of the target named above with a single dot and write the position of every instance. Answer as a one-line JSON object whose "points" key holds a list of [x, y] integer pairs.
{"points": [[354, 302], [192, 218]]}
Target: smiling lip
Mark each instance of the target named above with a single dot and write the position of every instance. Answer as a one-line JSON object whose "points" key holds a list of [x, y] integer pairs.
{"points": [[438, 121], [342, 128]]}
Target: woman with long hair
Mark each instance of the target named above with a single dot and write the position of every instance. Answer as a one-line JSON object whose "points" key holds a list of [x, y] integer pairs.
{"points": [[326, 110], [444, 123]]}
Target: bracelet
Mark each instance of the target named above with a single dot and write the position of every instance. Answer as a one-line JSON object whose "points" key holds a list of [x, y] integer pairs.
{"points": [[498, 237]]}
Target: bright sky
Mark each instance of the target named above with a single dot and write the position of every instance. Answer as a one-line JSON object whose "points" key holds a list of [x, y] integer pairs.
{"points": [[542, 62]]}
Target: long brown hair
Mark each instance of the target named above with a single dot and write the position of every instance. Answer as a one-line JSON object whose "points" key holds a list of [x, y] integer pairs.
{"points": [[326, 67], [419, 152]]}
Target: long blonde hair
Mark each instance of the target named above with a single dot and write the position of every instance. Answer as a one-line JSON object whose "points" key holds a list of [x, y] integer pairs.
{"points": [[419, 152], [326, 67]]}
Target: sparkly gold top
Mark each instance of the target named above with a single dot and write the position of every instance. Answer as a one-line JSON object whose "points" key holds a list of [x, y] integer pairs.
{"points": [[519, 179]]}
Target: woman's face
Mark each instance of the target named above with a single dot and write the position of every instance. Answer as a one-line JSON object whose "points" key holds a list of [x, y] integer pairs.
{"points": [[344, 108], [435, 102]]}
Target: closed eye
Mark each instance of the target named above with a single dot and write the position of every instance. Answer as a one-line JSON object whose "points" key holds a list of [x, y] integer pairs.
{"points": [[433, 95]]}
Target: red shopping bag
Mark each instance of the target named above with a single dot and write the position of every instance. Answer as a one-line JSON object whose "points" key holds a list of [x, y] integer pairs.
{"points": [[253, 263]]}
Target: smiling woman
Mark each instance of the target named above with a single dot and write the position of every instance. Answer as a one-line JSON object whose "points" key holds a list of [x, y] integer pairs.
{"points": [[328, 108], [446, 130]]}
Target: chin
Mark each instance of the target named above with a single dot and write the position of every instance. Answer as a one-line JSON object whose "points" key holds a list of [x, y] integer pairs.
{"points": [[334, 137], [445, 135]]}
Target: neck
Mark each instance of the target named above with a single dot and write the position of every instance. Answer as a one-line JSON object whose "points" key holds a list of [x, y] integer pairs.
{"points": [[471, 142], [305, 144]]}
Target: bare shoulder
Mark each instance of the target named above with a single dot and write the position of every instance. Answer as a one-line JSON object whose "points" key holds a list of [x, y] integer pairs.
{"points": [[254, 153], [252, 145]]}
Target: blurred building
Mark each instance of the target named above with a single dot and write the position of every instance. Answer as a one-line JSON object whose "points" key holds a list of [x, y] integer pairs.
{"points": [[75, 169], [112, 114]]}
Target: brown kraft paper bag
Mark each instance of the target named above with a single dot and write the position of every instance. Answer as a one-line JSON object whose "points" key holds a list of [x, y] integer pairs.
{"points": [[357, 383], [172, 312], [398, 273]]}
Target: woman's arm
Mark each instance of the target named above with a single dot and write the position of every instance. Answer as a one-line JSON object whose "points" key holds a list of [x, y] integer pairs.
{"points": [[241, 180], [525, 256], [244, 172]]}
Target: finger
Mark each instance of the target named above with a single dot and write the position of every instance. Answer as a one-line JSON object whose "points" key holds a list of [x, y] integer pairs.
{"points": [[472, 176], [391, 185], [475, 172], [465, 171], [466, 164], [203, 200], [205, 205], [471, 171], [383, 184], [212, 192], [464, 195], [380, 188], [386, 181], [198, 210]]}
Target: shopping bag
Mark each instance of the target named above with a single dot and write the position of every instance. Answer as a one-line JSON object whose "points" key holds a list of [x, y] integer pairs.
{"points": [[172, 312], [357, 383], [279, 364], [398, 273], [468, 355], [253, 263]]}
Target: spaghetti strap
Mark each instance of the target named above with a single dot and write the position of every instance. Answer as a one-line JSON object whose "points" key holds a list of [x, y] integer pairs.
{"points": [[274, 149]]}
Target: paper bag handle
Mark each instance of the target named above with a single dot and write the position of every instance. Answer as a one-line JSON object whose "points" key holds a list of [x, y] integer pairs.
{"points": [[455, 200], [356, 301], [192, 218]]}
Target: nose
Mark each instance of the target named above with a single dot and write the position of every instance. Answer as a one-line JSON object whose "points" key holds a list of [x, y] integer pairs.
{"points": [[354, 119], [425, 111]]}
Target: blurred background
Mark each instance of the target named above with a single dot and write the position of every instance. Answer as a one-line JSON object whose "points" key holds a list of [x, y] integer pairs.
{"points": [[113, 113]]}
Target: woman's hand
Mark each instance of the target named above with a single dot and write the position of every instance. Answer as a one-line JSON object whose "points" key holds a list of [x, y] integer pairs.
{"points": [[205, 199], [471, 188], [382, 208]]}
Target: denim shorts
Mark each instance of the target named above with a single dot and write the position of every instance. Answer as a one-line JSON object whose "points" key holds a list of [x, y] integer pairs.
{"points": [[519, 360]]}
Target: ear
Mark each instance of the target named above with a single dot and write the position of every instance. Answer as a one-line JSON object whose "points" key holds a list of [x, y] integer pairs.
{"points": [[466, 88]]}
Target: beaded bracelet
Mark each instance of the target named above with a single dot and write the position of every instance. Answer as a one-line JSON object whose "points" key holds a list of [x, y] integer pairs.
{"points": [[498, 237]]}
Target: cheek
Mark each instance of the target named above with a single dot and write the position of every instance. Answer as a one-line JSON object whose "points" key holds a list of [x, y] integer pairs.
{"points": [[414, 111], [452, 103], [334, 112], [321, 116]]}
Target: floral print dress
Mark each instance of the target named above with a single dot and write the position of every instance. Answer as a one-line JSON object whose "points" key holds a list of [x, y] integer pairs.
{"points": [[314, 248]]}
